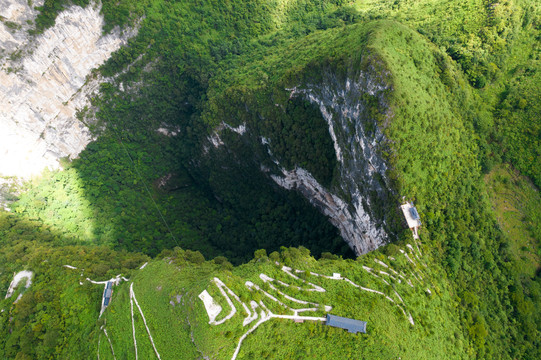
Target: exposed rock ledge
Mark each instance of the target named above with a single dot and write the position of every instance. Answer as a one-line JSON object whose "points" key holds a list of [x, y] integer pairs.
{"points": [[39, 100], [362, 170], [353, 227]]}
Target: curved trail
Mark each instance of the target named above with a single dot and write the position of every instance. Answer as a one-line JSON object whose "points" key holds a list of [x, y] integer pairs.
{"points": [[287, 270], [265, 314], [25, 274]]}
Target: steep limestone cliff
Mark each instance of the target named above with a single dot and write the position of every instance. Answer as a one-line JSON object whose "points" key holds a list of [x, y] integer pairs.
{"points": [[360, 201], [356, 228], [41, 92], [16, 18], [357, 142]]}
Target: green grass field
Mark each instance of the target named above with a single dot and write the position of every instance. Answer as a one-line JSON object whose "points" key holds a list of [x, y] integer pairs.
{"points": [[462, 100], [517, 205], [390, 334]]}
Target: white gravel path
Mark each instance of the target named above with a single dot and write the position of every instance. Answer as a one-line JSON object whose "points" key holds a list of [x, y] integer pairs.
{"points": [[407, 315], [25, 274], [132, 296], [370, 271], [233, 311], [99, 342], [110, 343], [389, 275], [253, 315], [389, 267], [116, 280], [251, 285], [415, 267], [287, 270], [133, 325], [213, 309], [268, 280], [235, 296], [414, 253], [263, 317], [266, 315]]}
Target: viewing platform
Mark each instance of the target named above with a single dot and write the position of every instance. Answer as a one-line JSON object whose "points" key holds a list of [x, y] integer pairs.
{"points": [[412, 218]]}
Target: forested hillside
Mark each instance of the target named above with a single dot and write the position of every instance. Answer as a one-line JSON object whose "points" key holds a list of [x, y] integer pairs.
{"points": [[204, 116]]}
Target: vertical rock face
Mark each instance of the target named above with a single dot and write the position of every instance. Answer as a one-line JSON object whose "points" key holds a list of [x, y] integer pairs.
{"points": [[361, 201], [357, 143], [16, 17], [41, 92], [356, 227]]}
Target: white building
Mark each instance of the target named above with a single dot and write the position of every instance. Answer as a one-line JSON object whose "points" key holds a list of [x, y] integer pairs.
{"points": [[412, 218]]}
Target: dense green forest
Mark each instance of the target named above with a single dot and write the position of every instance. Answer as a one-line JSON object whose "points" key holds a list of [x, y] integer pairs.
{"points": [[462, 121]]}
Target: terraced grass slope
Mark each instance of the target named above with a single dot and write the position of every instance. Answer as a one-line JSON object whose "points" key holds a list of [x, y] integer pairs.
{"points": [[384, 291]]}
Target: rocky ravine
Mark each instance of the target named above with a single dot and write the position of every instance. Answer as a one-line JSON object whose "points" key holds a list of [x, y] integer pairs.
{"points": [[41, 92], [355, 205]]}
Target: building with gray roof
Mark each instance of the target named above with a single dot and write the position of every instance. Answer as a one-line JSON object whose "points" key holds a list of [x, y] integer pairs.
{"points": [[351, 325]]}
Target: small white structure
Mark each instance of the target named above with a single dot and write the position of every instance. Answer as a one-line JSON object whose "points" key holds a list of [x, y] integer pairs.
{"points": [[412, 218], [212, 308]]}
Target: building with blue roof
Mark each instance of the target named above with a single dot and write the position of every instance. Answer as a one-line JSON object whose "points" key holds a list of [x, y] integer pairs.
{"points": [[351, 325], [414, 213], [107, 293]]}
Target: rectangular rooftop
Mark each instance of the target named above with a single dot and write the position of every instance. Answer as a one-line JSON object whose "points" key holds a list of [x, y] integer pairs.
{"points": [[411, 215], [351, 325]]}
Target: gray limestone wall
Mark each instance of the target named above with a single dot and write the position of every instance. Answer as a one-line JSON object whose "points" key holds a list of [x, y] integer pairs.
{"points": [[358, 141], [359, 198]]}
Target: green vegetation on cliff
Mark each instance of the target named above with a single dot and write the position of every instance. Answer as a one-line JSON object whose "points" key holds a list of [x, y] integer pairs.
{"points": [[167, 290], [462, 96]]}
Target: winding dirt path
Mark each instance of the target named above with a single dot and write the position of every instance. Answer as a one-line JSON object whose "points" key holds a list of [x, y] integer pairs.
{"points": [[110, 343], [338, 277], [266, 315], [133, 324]]}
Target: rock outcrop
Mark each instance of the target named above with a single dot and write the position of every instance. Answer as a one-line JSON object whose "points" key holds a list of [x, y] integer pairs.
{"points": [[360, 202], [16, 18], [358, 142], [41, 92], [357, 229]]}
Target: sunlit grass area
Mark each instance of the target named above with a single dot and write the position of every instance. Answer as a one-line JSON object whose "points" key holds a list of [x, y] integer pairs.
{"points": [[58, 199], [517, 205]]}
